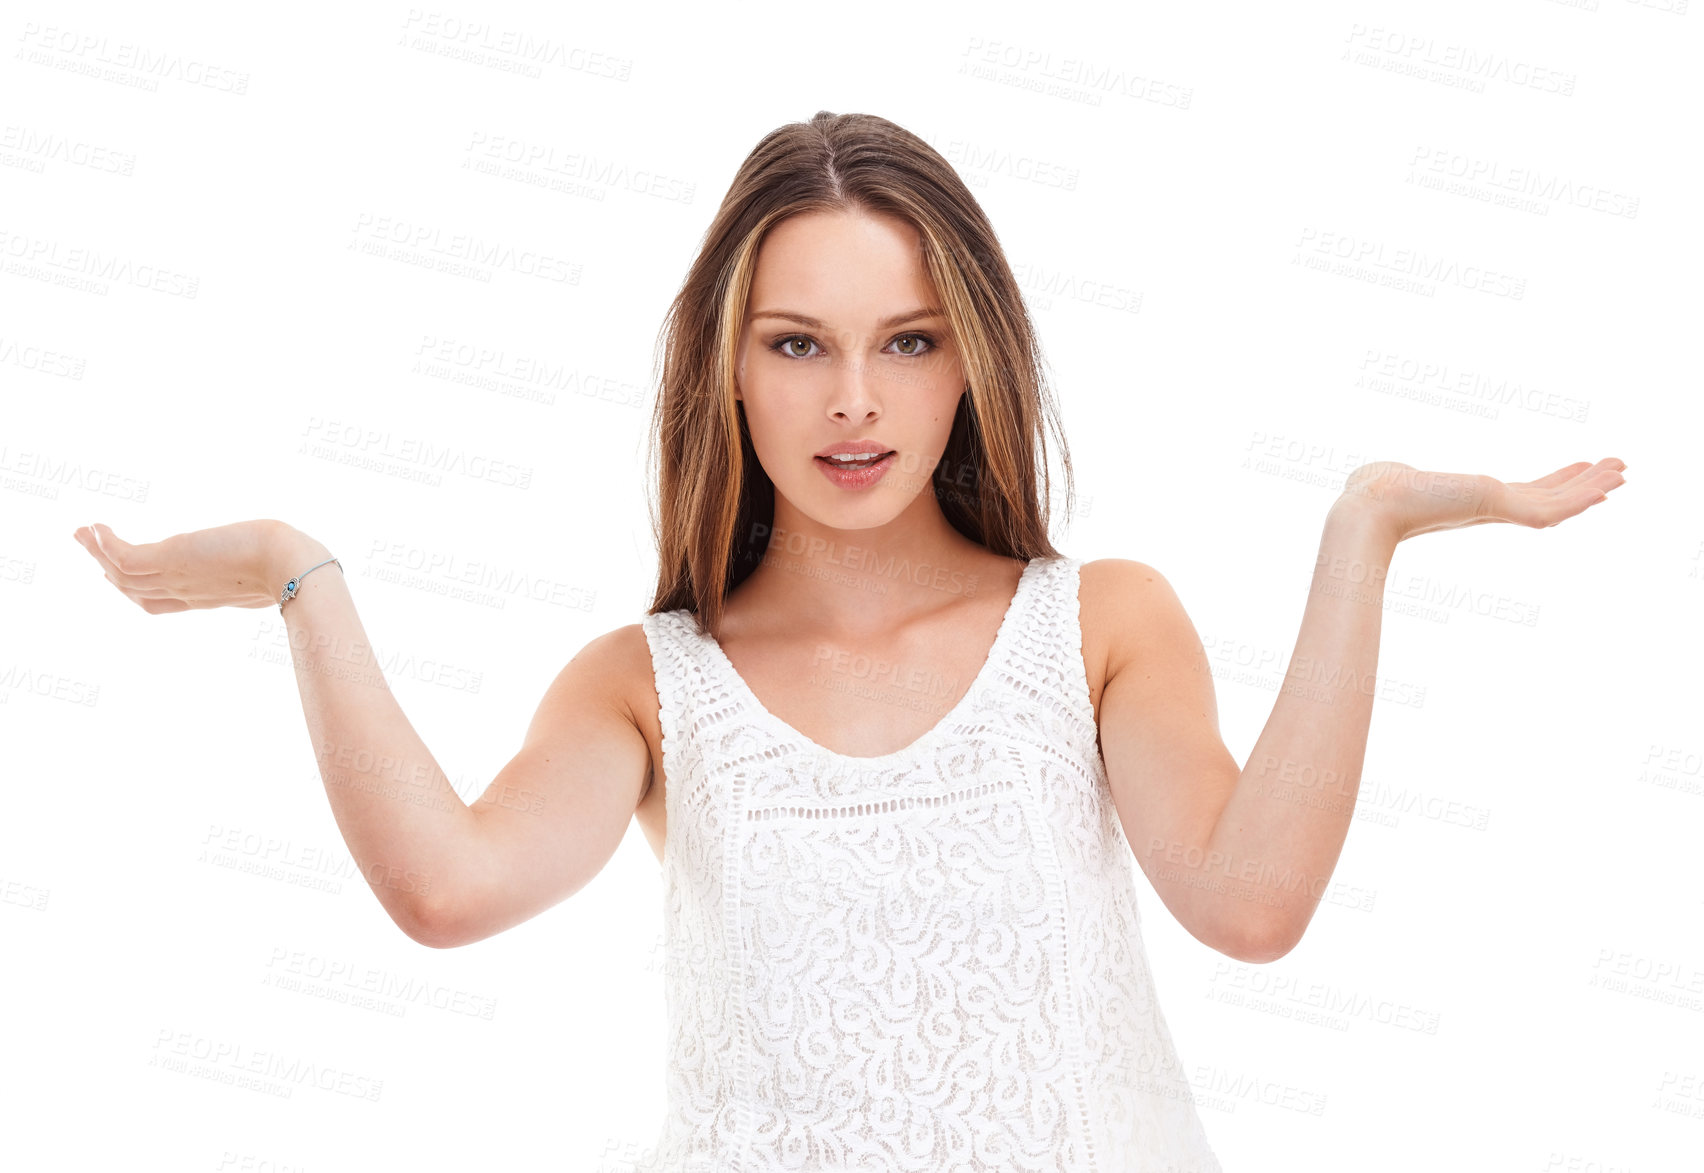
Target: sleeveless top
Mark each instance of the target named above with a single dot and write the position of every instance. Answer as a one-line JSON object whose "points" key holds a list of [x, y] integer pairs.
{"points": [[929, 960]]}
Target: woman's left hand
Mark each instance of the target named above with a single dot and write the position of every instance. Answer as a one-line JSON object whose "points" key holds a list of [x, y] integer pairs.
{"points": [[1412, 502]]}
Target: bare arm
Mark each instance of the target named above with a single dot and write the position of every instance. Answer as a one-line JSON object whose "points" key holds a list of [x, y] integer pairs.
{"points": [[553, 817], [403, 822], [447, 873], [444, 872], [1282, 828], [1242, 856]]}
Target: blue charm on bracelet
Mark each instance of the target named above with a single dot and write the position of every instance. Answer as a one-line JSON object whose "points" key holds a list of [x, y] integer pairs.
{"points": [[289, 591]]}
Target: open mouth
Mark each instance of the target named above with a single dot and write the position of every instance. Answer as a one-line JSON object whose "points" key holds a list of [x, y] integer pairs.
{"points": [[834, 462]]}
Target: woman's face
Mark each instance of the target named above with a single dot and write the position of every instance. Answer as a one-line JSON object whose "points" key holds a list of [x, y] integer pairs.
{"points": [[844, 343]]}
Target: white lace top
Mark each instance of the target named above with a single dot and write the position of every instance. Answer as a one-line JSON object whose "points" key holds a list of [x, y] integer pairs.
{"points": [[928, 960]]}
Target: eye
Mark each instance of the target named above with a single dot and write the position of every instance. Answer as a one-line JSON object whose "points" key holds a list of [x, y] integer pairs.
{"points": [[787, 342], [784, 345]]}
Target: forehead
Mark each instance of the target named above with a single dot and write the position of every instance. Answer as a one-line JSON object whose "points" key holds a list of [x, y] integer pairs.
{"points": [[842, 267]]}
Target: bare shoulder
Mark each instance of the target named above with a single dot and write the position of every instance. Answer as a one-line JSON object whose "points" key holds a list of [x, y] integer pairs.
{"points": [[1130, 614], [620, 660], [613, 672], [1116, 575], [622, 655]]}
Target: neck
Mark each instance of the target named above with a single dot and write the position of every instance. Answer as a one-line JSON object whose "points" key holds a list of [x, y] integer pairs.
{"points": [[865, 579]]}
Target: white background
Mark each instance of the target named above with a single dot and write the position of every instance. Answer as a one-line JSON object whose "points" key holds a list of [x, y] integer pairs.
{"points": [[1522, 871]]}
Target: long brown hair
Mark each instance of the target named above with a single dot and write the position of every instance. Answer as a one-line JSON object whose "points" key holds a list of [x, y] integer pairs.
{"points": [[716, 503]]}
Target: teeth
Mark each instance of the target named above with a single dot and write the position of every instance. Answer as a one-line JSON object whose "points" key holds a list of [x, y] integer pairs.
{"points": [[849, 459]]}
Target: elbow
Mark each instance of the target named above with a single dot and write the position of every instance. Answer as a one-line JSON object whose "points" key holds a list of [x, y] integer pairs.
{"points": [[1261, 942], [431, 938], [1264, 953], [427, 925]]}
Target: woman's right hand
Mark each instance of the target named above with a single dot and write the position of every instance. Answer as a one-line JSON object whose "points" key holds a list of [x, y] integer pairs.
{"points": [[227, 566]]}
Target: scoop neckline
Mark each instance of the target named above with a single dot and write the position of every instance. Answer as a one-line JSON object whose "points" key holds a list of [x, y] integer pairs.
{"points": [[1002, 636]]}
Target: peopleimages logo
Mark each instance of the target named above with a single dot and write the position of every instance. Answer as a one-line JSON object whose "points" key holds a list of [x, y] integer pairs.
{"points": [[128, 64], [1456, 65], [1072, 78], [1351, 255], [1496, 182]]}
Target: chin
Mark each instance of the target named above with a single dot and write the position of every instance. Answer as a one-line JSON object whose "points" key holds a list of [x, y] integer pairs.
{"points": [[869, 510]]}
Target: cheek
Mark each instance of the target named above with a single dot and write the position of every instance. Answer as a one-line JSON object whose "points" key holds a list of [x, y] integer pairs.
{"points": [[772, 430]]}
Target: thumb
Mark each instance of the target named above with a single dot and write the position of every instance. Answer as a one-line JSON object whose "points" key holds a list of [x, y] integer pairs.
{"points": [[110, 543]]}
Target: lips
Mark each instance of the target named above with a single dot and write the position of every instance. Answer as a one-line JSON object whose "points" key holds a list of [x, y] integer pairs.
{"points": [[857, 476], [854, 448], [855, 463]]}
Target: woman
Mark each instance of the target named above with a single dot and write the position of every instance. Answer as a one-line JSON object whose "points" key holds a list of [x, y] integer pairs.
{"points": [[894, 749]]}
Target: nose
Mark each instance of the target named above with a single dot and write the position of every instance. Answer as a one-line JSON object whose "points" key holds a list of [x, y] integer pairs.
{"points": [[856, 391]]}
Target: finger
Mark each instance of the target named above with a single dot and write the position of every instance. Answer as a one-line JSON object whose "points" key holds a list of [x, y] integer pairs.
{"points": [[99, 546], [1609, 465], [140, 592], [153, 602], [131, 561], [1541, 508], [93, 547], [131, 595], [1597, 482], [1559, 477], [1608, 476]]}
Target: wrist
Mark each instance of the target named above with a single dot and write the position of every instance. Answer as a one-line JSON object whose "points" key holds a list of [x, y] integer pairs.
{"points": [[1364, 520], [289, 554]]}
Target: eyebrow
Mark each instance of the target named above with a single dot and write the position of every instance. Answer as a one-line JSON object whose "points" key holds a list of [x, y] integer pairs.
{"points": [[885, 323]]}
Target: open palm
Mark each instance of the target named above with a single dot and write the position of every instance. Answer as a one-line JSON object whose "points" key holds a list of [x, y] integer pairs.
{"points": [[1414, 502], [225, 566]]}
